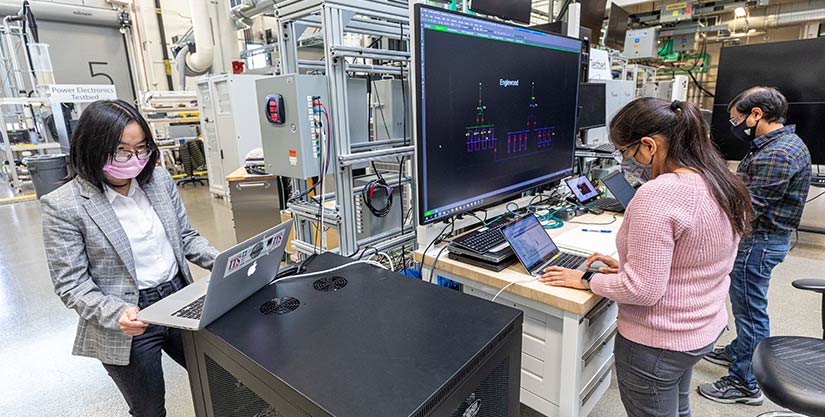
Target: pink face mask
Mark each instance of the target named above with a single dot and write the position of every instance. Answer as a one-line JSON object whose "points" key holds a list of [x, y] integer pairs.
{"points": [[125, 170]]}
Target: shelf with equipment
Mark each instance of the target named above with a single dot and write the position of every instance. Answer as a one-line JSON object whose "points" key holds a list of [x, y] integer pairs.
{"points": [[386, 24]]}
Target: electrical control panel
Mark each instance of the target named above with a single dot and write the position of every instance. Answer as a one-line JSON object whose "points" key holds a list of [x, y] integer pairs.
{"points": [[294, 130], [676, 12], [685, 42], [641, 43]]}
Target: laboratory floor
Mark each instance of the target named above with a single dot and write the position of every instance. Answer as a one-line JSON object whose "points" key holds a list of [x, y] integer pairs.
{"points": [[40, 376]]}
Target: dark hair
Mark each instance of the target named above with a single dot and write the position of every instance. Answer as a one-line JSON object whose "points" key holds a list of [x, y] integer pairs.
{"points": [[96, 138], [690, 146], [773, 104]]}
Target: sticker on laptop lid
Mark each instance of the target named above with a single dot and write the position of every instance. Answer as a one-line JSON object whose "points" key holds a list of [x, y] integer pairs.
{"points": [[260, 249]]}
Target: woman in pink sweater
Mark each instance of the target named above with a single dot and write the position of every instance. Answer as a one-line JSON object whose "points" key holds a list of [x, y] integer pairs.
{"points": [[676, 246]]}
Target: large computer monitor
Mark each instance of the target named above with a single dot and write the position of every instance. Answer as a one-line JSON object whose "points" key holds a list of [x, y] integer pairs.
{"points": [[616, 27], [799, 78], [517, 10], [592, 17], [496, 109]]}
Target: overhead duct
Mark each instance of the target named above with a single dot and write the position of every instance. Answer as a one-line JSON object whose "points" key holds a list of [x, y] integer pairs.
{"points": [[67, 13], [796, 17], [243, 13], [201, 59]]}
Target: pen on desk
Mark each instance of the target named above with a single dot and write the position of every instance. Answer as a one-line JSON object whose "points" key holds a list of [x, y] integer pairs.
{"points": [[597, 230]]}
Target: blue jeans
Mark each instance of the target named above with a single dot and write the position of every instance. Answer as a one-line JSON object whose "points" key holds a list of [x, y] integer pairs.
{"points": [[141, 381], [749, 281]]}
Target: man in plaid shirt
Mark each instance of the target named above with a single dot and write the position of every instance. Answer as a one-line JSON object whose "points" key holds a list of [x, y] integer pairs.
{"points": [[777, 171]]}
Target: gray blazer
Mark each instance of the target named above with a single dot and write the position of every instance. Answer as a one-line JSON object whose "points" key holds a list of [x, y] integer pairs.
{"points": [[91, 263]]}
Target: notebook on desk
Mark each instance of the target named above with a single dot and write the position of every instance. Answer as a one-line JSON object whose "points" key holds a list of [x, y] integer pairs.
{"points": [[590, 239]]}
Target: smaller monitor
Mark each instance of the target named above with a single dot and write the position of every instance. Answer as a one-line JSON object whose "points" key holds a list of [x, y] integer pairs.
{"points": [[616, 27], [592, 17], [592, 110], [583, 189], [516, 10], [619, 187]]}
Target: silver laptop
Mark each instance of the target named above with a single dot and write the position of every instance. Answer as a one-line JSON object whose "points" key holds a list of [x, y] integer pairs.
{"points": [[535, 249], [237, 273]]}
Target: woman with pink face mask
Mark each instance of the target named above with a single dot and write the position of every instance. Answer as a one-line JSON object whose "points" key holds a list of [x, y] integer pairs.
{"points": [[117, 240]]}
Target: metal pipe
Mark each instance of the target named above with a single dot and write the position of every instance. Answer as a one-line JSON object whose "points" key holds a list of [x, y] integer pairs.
{"points": [[378, 144], [8, 87], [249, 9], [370, 69], [18, 75], [201, 59], [339, 51], [370, 155], [308, 248], [167, 65], [797, 17]]}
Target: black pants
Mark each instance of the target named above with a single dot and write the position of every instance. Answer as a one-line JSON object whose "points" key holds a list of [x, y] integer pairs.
{"points": [[141, 382], [655, 382]]}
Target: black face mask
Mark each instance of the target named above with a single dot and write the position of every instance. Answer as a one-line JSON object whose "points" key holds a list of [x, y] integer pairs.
{"points": [[744, 133]]}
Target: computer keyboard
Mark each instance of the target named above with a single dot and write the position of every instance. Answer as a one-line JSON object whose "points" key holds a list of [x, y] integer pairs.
{"points": [[605, 147], [567, 260], [482, 241], [192, 310], [609, 204]]}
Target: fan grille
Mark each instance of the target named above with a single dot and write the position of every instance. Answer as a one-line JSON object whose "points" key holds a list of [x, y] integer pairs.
{"points": [[329, 284], [281, 305]]}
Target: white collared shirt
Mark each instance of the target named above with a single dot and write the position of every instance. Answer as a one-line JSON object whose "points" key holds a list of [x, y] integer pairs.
{"points": [[154, 259]]}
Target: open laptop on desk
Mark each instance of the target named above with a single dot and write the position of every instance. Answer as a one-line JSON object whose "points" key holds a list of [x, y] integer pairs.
{"points": [[536, 250], [236, 274], [590, 197], [619, 187]]}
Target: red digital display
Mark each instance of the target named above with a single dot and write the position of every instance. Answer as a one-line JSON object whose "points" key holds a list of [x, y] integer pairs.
{"points": [[274, 108]]}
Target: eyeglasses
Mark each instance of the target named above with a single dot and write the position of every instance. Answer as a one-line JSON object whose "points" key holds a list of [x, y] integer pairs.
{"points": [[618, 154], [143, 153], [735, 120]]}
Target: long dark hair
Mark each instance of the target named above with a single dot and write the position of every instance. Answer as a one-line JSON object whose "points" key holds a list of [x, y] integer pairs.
{"points": [[97, 135], [690, 146]]}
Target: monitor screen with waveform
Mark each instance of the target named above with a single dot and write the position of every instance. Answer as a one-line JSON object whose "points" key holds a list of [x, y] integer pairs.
{"points": [[496, 108]]}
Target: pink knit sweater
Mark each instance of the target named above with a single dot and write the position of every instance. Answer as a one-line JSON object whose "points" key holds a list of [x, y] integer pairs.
{"points": [[676, 248]]}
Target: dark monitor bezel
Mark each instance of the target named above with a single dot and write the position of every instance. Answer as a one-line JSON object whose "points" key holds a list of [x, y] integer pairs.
{"points": [[417, 74]]}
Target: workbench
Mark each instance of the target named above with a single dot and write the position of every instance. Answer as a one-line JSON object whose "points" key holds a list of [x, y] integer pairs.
{"points": [[568, 334]]}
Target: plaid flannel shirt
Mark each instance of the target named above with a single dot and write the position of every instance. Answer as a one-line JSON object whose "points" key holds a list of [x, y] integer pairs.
{"points": [[777, 171]]}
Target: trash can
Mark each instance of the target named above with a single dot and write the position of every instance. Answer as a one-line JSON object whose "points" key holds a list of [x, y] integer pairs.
{"points": [[47, 172]]}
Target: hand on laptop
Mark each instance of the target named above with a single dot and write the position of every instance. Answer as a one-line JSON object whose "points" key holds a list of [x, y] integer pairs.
{"points": [[562, 277], [130, 324], [612, 265]]}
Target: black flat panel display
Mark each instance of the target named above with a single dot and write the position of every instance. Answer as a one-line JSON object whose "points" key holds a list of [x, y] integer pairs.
{"points": [[616, 27], [496, 110], [516, 10], [795, 68], [592, 112], [593, 17]]}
